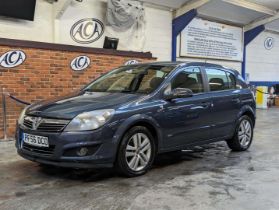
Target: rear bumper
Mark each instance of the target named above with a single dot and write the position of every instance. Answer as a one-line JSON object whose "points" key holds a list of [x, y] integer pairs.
{"points": [[63, 146]]}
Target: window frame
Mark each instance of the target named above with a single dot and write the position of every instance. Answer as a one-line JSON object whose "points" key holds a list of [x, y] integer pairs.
{"points": [[181, 69], [231, 86]]}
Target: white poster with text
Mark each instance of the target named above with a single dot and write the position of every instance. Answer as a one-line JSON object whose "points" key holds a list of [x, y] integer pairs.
{"points": [[206, 39]]}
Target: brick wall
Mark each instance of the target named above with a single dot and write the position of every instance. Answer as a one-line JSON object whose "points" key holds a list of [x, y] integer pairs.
{"points": [[46, 72]]}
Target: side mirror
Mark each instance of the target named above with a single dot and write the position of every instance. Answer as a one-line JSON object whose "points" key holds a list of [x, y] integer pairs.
{"points": [[178, 93]]}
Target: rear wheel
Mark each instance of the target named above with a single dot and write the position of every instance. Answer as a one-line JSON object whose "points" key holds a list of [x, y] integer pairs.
{"points": [[136, 152], [243, 135]]}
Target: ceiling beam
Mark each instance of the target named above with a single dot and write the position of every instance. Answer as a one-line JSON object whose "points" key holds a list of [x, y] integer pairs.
{"points": [[194, 4], [157, 6], [252, 6], [263, 21]]}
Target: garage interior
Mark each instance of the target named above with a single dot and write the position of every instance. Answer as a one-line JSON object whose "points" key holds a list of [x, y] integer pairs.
{"points": [[204, 177]]}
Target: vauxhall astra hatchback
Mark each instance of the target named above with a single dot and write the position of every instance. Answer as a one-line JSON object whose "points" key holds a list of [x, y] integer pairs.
{"points": [[126, 117]]}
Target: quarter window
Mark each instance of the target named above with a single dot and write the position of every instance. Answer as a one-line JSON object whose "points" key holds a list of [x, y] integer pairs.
{"points": [[240, 83], [189, 78]]}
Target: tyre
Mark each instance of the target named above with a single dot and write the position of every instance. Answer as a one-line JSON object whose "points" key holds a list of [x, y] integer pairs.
{"points": [[42, 165], [243, 136], [136, 152]]}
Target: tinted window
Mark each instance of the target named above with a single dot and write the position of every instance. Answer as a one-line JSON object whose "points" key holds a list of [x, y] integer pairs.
{"points": [[189, 78], [217, 79]]}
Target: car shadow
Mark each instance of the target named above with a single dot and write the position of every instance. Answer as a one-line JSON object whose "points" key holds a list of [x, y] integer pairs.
{"points": [[212, 157], [91, 175], [86, 175]]}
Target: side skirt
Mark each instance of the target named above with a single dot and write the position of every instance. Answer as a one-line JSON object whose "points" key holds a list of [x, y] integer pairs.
{"points": [[199, 143]]}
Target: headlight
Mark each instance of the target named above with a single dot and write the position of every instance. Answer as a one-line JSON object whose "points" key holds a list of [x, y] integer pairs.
{"points": [[22, 115], [90, 120]]}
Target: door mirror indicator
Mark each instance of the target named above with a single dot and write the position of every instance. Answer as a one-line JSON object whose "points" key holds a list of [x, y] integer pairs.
{"points": [[178, 93]]}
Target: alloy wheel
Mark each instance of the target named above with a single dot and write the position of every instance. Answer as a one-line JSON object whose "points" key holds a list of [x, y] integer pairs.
{"points": [[245, 133], [138, 151]]}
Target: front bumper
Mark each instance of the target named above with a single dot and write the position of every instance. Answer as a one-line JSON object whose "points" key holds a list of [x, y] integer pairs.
{"points": [[102, 149]]}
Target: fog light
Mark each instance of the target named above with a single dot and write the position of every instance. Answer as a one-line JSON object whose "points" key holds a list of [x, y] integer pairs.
{"points": [[82, 151]]}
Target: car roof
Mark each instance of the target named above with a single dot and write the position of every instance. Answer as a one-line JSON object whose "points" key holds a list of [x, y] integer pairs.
{"points": [[181, 63]]}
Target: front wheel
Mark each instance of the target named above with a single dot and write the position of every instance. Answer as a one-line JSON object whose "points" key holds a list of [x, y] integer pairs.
{"points": [[136, 152], [243, 135]]}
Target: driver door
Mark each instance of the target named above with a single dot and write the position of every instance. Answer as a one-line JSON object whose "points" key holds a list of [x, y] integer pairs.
{"points": [[187, 120]]}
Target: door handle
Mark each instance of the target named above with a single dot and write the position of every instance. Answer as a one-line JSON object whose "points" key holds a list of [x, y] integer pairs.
{"points": [[206, 104]]}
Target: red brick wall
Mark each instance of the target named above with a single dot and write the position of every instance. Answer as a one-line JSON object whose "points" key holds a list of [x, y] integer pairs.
{"points": [[46, 73]]}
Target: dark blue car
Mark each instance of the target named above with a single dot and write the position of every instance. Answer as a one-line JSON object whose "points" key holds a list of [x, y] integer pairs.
{"points": [[129, 115]]}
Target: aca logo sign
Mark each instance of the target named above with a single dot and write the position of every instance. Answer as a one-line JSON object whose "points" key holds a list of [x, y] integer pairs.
{"points": [[87, 30], [12, 59], [80, 63], [131, 62]]}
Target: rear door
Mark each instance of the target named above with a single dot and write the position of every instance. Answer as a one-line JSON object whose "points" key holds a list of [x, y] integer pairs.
{"points": [[226, 101], [187, 120]]}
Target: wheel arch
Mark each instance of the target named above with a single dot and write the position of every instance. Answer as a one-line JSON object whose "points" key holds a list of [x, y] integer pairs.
{"points": [[250, 112], [140, 120]]}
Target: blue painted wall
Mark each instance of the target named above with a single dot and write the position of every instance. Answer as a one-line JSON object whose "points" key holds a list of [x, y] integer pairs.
{"points": [[178, 24]]}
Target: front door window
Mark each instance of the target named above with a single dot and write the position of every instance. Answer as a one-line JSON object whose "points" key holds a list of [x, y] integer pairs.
{"points": [[190, 78]]}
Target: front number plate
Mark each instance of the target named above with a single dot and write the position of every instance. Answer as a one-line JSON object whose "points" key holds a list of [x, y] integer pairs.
{"points": [[39, 141]]}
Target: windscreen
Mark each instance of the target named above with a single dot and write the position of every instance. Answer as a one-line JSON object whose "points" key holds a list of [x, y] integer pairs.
{"points": [[131, 79]]}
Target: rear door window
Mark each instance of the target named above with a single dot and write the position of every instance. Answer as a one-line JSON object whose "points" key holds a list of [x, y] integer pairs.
{"points": [[217, 79]]}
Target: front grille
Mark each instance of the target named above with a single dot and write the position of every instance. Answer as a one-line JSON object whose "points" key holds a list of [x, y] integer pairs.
{"points": [[44, 124], [39, 150], [51, 127]]}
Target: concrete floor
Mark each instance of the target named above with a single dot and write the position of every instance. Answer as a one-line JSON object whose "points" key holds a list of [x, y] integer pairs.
{"points": [[212, 177]]}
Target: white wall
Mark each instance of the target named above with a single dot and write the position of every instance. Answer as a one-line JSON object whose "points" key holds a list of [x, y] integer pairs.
{"points": [[156, 39], [159, 33], [263, 64], [77, 11]]}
